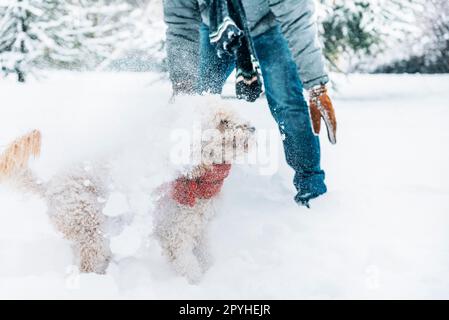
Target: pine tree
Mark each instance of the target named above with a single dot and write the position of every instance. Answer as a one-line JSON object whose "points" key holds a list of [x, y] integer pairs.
{"points": [[437, 31], [18, 40], [83, 33], [359, 31], [100, 27], [71, 34], [347, 29], [426, 45], [60, 42], [144, 47]]}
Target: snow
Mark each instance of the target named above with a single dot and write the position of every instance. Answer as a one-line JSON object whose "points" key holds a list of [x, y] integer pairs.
{"points": [[380, 232]]}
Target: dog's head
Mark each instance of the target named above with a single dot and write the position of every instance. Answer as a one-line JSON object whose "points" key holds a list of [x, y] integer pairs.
{"points": [[226, 137]]}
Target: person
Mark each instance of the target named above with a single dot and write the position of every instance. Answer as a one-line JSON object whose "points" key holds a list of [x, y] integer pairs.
{"points": [[285, 39]]}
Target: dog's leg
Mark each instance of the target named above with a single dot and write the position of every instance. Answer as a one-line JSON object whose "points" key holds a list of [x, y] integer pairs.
{"points": [[94, 255], [202, 252], [186, 263], [176, 230], [90, 247], [77, 213], [201, 249]]}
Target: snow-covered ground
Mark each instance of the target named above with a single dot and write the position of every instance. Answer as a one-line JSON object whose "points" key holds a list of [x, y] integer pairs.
{"points": [[382, 231]]}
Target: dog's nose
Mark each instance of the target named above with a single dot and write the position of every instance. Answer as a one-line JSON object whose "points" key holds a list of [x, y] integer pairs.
{"points": [[252, 129]]}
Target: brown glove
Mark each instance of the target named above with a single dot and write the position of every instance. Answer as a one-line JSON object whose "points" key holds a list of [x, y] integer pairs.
{"points": [[321, 107]]}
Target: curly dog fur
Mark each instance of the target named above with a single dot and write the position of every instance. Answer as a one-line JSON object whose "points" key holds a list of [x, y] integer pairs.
{"points": [[76, 198], [75, 201], [182, 230]]}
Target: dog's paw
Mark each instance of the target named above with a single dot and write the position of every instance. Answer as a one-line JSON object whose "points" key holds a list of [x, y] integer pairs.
{"points": [[188, 266], [204, 257], [194, 276], [94, 257]]}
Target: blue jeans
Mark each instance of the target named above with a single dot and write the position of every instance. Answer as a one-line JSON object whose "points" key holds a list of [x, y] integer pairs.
{"points": [[285, 97]]}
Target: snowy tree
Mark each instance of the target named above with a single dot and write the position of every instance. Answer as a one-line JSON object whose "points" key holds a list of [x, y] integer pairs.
{"points": [[19, 44], [82, 33], [426, 48], [437, 32], [145, 47], [347, 29], [66, 34], [357, 32], [99, 27]]}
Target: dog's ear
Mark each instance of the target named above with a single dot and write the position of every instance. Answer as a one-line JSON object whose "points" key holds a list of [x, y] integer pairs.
{"points": [[18, 153]]}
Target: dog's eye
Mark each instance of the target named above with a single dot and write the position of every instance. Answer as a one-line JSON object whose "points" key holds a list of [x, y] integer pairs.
{"points": [[224, 124]]}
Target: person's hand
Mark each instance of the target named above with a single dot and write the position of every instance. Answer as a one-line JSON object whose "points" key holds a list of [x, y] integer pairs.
{"points": [[248, 88], [321, 107]]}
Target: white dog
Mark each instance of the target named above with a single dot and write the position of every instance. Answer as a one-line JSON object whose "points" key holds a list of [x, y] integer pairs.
{"points": [[76, 198], [182, 228], [75, 201]]}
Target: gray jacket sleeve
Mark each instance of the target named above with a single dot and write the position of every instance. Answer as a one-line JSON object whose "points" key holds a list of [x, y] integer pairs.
{"points": [[296, 18], [183, 20]]}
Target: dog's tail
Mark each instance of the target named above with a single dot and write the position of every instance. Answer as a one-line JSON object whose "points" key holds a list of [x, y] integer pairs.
{"points": [[14, 161]]}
